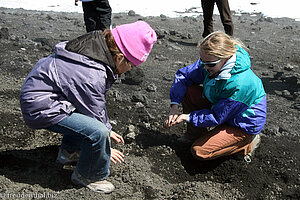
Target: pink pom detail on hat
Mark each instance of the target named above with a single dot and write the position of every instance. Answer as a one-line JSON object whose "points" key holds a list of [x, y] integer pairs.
{"points": [[135, 40]]}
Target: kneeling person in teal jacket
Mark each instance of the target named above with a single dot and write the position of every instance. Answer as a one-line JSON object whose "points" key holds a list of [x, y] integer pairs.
{"points": [[224, 102]]}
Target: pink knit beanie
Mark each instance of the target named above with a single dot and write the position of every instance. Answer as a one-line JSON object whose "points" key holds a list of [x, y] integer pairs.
{"points": [[135, 40]]}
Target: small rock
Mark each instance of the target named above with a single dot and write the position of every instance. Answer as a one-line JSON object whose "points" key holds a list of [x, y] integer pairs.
{"points": [[4, 34], [131, 13], [168, 77], [13, 38], [134, 77], [289, 67], [125, 178], [174, 46], [278, 75], [137, 97], [163, 16], [269, 19], [151, 88], [131, 128], [297, 95], [161, 58], [288, 27], [130, 137], [296, 105], [139, 105], [179, 63], [160, 33], [113, 122], [172, 32], [287, 94], [25, 59]]}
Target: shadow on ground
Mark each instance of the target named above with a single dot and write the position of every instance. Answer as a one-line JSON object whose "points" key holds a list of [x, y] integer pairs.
{"points": [[36, 166]]}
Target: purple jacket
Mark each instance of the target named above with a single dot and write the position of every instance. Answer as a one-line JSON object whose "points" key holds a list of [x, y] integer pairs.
{"points": [[65, 81]]}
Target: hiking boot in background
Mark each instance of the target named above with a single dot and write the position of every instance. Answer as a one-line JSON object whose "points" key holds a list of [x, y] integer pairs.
{"points": [[67, 157]]}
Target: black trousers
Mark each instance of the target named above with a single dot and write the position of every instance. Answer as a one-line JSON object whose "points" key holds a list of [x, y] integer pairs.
{"points": [[225, 14], [97, 15]]}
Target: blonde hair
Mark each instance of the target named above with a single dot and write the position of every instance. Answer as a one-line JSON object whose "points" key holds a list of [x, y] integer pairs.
{"points": [[220, 45]]}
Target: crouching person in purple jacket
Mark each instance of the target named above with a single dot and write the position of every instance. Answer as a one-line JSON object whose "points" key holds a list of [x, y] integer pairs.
{"points": [[65, 93]]}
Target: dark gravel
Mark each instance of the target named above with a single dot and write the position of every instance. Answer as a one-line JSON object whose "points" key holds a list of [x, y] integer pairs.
{"points": [[156, 165]]}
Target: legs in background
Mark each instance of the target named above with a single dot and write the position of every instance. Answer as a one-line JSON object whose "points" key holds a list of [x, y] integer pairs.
{"points": [[225, 15], [97, 15]]}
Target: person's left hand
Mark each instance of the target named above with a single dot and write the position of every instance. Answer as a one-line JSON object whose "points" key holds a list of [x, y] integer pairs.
{"points": [[116, 137], [116, 156], [179, 119]]}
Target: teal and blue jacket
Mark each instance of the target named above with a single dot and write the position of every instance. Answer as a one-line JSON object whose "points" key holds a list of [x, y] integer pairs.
{"points": [[237, 94]]}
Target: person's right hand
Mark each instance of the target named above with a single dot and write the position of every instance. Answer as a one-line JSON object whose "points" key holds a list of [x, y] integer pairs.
{"points": [[174, 113], [116, 156]]}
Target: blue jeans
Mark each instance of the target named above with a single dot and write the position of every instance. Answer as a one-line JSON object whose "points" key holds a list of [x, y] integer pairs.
{"points": [[92, 138]]}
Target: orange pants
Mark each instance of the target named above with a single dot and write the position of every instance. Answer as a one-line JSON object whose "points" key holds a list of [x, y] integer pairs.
{"points": [[222, 140]]}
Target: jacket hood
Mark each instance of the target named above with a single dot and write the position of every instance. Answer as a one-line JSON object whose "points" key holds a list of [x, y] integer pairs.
{"points": [[238, 62], [90, 49], [242, 62]]}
